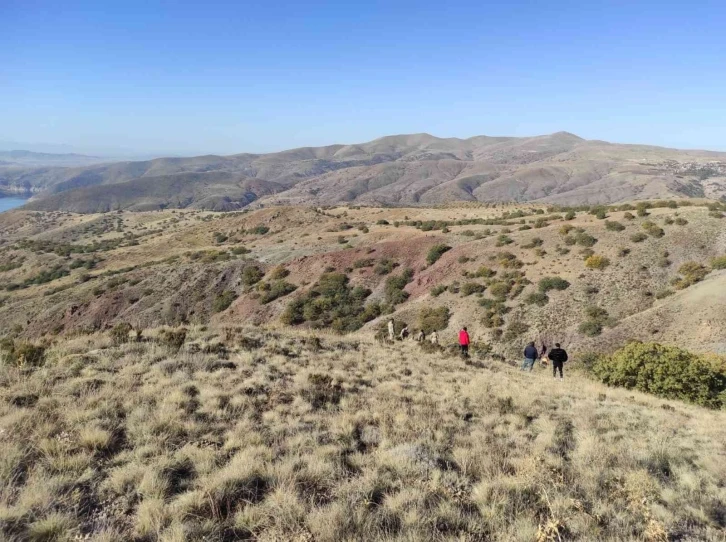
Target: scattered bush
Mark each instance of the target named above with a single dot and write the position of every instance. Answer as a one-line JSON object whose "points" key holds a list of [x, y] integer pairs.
{"points": [[584, 239], [503, 240], [597, 262], [570, 215], [652, 229], [173, 339], [692, 273], [251, 275], [279, 273], [259, 230], [223, 301], [552, 283], [332, 302], [719, 263], [629, 216], [433, 319], [665, 371], [638, 237], [276, 290], [435, 252], [680, 221], [394, 287], [534, 243], [385, 266], [469, 288], [436, 291], [614, 225]]}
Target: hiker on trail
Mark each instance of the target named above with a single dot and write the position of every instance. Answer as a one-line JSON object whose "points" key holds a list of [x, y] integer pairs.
{"points": [[434, 337], [558, 356], [404, 332], [420, 336], [530, 356], [464, 342], [391, 330]]}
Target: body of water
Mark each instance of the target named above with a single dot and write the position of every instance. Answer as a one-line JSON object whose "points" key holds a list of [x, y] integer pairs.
{"points": [[11, 203]]}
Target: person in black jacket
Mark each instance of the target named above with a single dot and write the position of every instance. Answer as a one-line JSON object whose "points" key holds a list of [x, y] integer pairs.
{"points": [[558, 357]]}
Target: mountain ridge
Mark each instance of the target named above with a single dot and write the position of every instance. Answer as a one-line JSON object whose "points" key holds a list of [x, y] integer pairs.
{"points": [[406, 169]]}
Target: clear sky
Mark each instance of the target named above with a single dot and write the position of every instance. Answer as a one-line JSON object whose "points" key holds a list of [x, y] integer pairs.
{"points": [[224, 77]]}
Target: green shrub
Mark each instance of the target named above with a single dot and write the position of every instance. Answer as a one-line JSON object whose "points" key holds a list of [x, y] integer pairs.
{"points": [[584, 239], [394, 287], [719, 263], [597, 262], [537, 298], [385, 266], [681, 221], [332, 303], [652, 229], [508, 260], [436, 291], [614, 225], [259, 230], [514, 330], [570, 215], [433, 319], [251, 275], [469, 288], [692, 273], [435, 252], [279, 273], [503, 240], [482, 273], [590, 328], [276, 290], [382, 222], [552, 283], [638, 237], [665, 371], [629, 216], [534, 243], [223, 301], [566, 228]]}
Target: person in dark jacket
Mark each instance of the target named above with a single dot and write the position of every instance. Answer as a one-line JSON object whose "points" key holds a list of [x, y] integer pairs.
{"points": [[558, 357], [530, 356]]}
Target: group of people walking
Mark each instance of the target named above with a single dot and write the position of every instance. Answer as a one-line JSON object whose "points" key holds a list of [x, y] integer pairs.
{"points": [[558, 355]]}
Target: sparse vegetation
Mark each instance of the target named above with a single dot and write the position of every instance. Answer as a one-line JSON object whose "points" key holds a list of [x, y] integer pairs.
{"points": [[223, 301], [596, 261], [692, 272]]}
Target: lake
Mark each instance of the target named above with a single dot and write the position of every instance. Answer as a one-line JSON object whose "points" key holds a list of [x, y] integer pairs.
{"points": [[11, 203]]}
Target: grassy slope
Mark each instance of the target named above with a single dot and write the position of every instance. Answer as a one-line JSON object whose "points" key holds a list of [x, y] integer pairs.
{"points": [[249, 441]]}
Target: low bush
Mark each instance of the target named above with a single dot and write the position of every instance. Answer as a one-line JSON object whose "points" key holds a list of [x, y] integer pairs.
{"points": [[275, 290], [436, 291], [552, 283], [173, 338], [435, 252], [394, 287], [279, 273], [614, 225], [666, 371], [652, 229], [433, 319], [692, 273], [251, 275], [469, 288], [504, 240], [223, 300], [385, 266], [719, 263], [597, 262], [638, 237], [680, 221], [332, 303], [259, 230], [534, 243]]}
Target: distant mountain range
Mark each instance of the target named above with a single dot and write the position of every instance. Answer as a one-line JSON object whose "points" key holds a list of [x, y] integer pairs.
{"points": [[31, 158], [396, 170]]}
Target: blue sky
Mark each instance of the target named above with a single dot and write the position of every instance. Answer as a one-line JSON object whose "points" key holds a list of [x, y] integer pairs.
{"points": [[223, 77]]}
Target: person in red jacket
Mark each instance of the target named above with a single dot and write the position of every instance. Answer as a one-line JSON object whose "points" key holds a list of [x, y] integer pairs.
{"points": [[464, 342]]}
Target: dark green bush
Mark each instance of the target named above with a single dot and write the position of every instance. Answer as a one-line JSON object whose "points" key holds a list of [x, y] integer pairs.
{"points": [[552, 283], [394, 287], [638, 237], [433, 319], [436, 291], [222, 301], [666, 371], [614, 225], [435, 252], [251, 275], [469, 288], [259, 230], [385, 266], [275, 290]]}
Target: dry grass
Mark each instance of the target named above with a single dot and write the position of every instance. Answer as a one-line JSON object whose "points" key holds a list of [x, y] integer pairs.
{"points": [[332, 439]]}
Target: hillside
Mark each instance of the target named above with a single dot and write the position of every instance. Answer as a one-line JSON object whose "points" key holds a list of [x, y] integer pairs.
{"points": [[191, 375], [65, 273], [396, 170], [236, 434]]}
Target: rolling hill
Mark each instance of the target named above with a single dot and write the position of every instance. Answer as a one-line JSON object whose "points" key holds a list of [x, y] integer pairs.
{"points": [[417, 169]]}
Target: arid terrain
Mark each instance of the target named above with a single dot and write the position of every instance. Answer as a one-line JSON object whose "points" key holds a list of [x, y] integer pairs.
{"points": [[416, 169], [192, 375]]}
